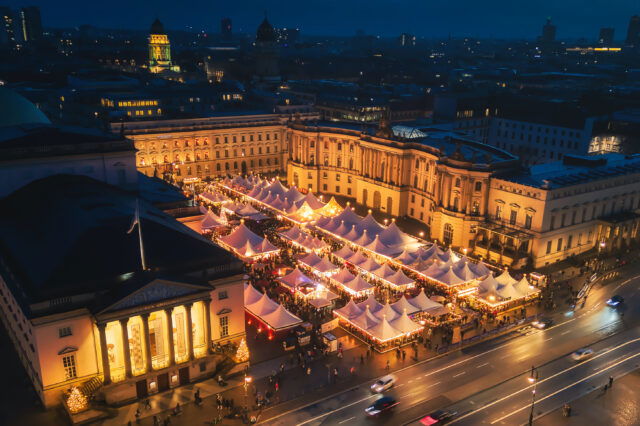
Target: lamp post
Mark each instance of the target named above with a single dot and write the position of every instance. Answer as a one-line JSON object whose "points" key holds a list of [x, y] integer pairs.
{"points": [[247, 382], [533, 378]]}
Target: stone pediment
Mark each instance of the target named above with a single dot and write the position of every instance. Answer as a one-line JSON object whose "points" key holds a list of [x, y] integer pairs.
{"points": [[67, 350], [154, 293]]}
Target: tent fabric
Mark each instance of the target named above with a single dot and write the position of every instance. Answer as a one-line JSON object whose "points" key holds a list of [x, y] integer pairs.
{"points": [[262, 307], [406, 257], [239, 237], [464, 271], [369, 265], [251, 294], [371, 225], [345, 253], [383, 331], [357, 285], [280, 319], [295, 279], [291, 234], [211, 221], [449, 277], [387, 312], [393, 236], [343, 276], [350, 310], [332, 208], [399, 279], [383, 272], [505, 278], [358, 258], [379, 247], [311, 259], [423, 303], [405, 324], [403, 305], [325, 266], [372, 303], [365, 320]]}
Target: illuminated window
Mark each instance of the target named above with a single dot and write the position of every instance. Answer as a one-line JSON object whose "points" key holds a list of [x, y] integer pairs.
{"points": [[224, 326], [69, 364]]}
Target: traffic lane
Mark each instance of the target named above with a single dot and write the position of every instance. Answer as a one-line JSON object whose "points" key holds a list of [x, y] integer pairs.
{"points": [[506, 397]]}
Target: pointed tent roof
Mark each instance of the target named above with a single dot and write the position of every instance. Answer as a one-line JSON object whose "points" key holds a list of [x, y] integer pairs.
{"points": [[350, 310], [342, 229], [422, 302], [463, 270], [449, 255], [302, 213], [432, 271], [387, 312], [524, 287], [371, 225], [251, 294], [358, 258], [405, 324], [403, 305], [352, 235], [480, 268], [265, 247], [349, 217], [325, 266], [278, 188], [372, 303], [332, 208], [311, 259], [369, 265], [343, 276], [406, 257], [449, 277], [293, 195], [323, 222], [239, 237], [365, 320], [291, 234], [489, 284], [357, 284], [392, 236], [280, 319], [399, 279], [364, 239], [345, 253], [211, 220], [505, 278], [316, 244], [379, 247], [262, 307], [247, 210], [313, 202], [383, 271], [427, 254], [295, 278], [384, 331]]}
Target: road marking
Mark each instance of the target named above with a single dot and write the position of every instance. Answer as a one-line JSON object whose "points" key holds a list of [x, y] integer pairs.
{"points": [[566, 332], [410, 381], [344, 421], [526, 388], [335, 411], [460, 374], [522, 358], [566, 387], [482, 365], [400, 385], [546, 340]]}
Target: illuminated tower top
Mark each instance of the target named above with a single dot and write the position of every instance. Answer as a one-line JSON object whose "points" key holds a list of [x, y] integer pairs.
{"points": [[160, 50]]}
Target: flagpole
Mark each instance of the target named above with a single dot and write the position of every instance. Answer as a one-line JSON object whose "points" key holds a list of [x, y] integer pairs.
{"points": [[142, 259]]}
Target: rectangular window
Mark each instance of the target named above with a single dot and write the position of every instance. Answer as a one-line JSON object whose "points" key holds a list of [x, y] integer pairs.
{"points": [[498, 212], [513, 217], [559, 246], [222, 294], [527, 221], [224, 326], [69, 364], [569, 241], [337, 189], [64, 332], [548, 247]]}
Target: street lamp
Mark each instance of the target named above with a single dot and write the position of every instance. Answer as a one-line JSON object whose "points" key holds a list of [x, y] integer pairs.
{"points": [[247, 382], [533, 378]]}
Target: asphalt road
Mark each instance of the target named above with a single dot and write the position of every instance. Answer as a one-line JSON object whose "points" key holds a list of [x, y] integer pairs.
{"points": [[487, 382]]}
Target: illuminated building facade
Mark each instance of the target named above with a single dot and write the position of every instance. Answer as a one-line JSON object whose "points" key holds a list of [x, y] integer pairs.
{"points": [[160, 50]]}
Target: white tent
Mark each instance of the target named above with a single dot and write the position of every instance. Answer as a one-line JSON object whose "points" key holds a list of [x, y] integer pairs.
{"points": [[480, 268], [393, 236], [369, 265], [343, 276], [449, 255], [449, 277], [399, 279], [464, 271], [325, 266], [357, 286], [403, 305], [505, 278], [370, 224], [350, 310], [365, 320], [291, 234], [212, 221], [387, 312], [379, 247], [311, 260], [280, 319], [295, 279], [406, 257], [405, 325], [383, 272], [525, 288], [383, 331], [364, 239], [262, 307], [239, 237], [345, 253], [358, 259], [251, 294], [372, 303], [423, 303]]}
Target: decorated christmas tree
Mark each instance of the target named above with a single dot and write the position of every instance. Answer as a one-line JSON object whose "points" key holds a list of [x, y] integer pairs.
{"points": [[242, 354], [76, 400]]}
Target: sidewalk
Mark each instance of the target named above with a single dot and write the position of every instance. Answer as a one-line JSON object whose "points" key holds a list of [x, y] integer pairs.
{"points": [[620, 405]]}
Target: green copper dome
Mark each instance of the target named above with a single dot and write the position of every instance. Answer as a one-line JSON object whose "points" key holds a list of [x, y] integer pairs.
{"points": [[16, 110]]}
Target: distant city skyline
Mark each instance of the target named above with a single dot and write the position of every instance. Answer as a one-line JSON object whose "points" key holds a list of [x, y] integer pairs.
{"points": [[492, 18]]}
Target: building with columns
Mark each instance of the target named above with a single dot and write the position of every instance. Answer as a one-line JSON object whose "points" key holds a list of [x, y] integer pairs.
{"points": [[80, 309]]}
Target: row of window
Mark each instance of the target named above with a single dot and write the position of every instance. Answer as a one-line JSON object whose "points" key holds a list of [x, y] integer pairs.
{"points": [[596, 211], [539, 129], [569, 243], [243, 138], [544, 140]]}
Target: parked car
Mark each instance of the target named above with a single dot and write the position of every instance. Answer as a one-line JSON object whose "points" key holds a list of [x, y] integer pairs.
{"points": [[384, 383], [542, 323], [582, 354], [381, 406], [438, 417]]}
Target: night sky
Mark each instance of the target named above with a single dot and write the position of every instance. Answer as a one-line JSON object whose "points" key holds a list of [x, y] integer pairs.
{"points": [[429, 18]]}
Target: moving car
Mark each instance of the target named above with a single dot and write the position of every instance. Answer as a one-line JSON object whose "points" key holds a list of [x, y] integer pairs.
{"points": [[384, 383], [380, 406], [615, 300], [438, 417], [542, 323], [582, 354]]}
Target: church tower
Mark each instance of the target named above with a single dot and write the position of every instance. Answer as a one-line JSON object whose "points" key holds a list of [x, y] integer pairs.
{"points": [[267, 53], [160, 50]]}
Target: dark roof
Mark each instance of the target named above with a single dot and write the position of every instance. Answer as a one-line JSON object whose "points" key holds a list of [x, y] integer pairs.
{"points": [[17, 142], [157, 27], [265, 32], [67, 235]]}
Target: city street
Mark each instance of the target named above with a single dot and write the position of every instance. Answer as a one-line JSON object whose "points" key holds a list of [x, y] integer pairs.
{"points": [[502, 368]]}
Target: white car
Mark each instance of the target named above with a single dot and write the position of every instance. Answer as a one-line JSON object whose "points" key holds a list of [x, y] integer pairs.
{"points": [[384, 383], [582, 354]]}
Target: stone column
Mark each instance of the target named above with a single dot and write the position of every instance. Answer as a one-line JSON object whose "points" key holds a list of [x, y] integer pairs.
{"points": [[106, 369], [172, 356], [125, 343], [147, 341], [188, 307], [207, 318]]}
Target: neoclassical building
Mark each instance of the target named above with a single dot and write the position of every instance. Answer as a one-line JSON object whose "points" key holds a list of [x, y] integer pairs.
{"points": [[466, 194]]}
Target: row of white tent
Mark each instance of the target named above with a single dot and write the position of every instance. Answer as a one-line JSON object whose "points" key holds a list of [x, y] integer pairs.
{"points": [[247, 244], [504, 288], [369, 266], [389, 321], [274, 315], [303, 240], [212, 221], [246, 211]]}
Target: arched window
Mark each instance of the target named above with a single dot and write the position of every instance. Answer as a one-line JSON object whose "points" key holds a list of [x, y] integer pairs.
{"points": [[447, 236]]}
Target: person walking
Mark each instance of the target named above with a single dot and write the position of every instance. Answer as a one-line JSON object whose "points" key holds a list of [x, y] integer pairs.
{"points": [[610, 381]]}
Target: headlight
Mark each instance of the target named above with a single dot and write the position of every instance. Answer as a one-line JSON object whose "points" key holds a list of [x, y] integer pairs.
{"points": [[373, 411]]}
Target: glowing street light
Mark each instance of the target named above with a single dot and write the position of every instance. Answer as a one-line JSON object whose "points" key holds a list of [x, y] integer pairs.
{"points": [[533, 378]]}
